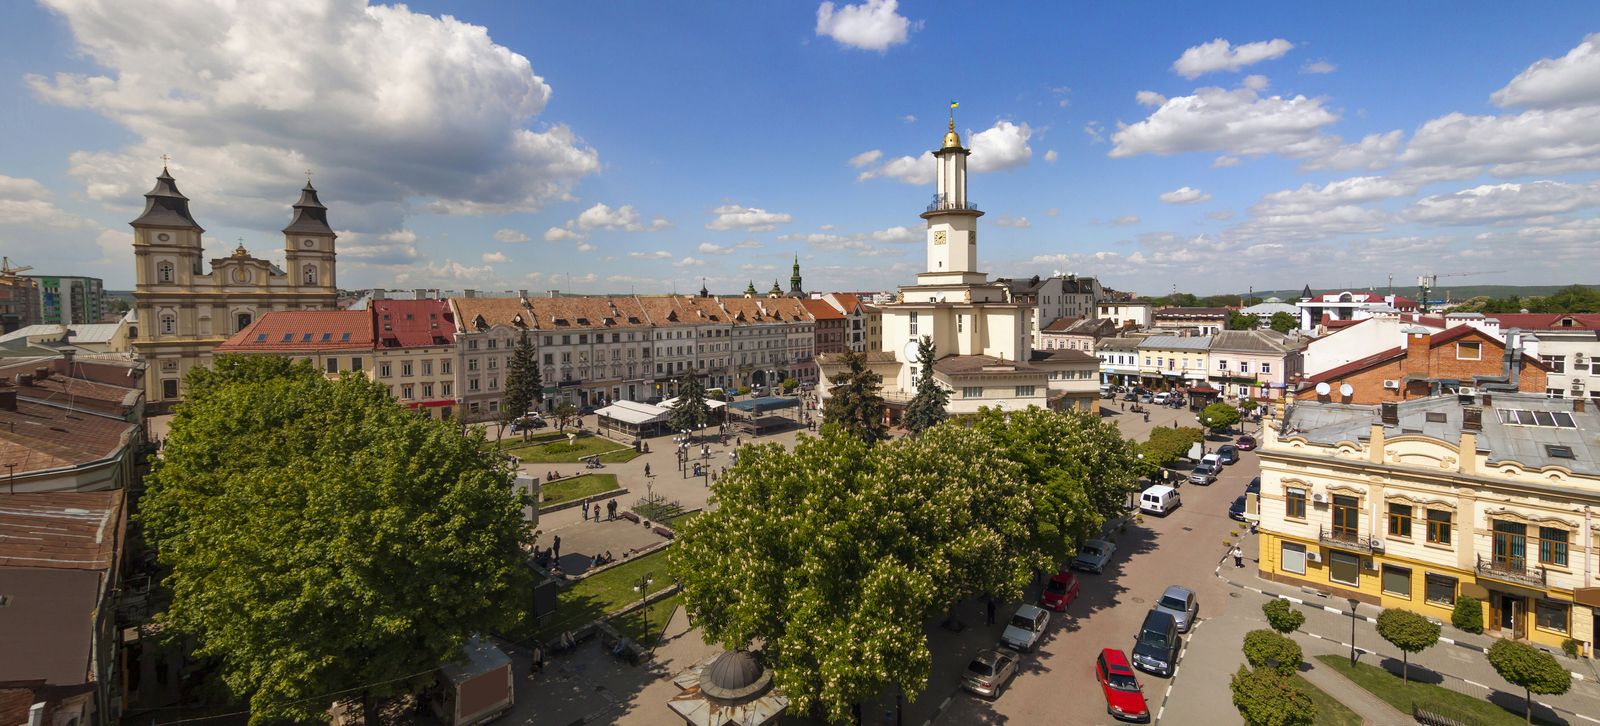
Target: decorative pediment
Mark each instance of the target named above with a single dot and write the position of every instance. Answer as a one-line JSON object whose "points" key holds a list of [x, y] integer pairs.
{"points": [[1512, 515], [1346, 489], [1418, 501]]}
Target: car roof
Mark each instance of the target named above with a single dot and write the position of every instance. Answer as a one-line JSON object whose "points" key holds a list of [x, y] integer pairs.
{"points": [[1159, 489], [1063, 577], [1177, 591], [1161, 617], [988, 655], [1099, 542], [1114, 657], [1029, 611]]}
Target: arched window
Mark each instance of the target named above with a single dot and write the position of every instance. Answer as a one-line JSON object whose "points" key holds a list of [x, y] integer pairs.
{"points": [[164, 272], [310, 274], [169, 324], [1345, 297], [241, 321]]}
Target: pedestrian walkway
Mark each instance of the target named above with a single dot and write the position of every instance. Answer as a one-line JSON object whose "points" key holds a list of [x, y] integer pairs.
{"points": [[1373, 711]]}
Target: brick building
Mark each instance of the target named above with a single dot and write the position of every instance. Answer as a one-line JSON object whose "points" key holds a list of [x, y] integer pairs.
{"points": [[1427, 363]]}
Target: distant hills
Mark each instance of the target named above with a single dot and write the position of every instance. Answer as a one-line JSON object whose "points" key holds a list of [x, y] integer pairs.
{"points": [[1454, 292]]}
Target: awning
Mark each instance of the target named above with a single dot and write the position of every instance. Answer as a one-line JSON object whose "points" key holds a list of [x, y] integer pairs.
{"points": [[711, 403], [630, 412], [1203, 390]]}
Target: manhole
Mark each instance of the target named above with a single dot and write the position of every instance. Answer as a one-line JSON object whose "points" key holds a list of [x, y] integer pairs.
{"points": [[1138, 600], [1234, 594]]}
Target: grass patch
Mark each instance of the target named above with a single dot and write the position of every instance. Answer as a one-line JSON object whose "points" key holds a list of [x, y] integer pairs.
{"points": [[678, 521], [1389, 688], [1329, 711], [633, 624], [553, 448], [567, 490], [590, 598]]}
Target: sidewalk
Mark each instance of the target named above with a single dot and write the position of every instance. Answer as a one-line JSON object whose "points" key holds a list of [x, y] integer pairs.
{"points": [[1373, 710]]}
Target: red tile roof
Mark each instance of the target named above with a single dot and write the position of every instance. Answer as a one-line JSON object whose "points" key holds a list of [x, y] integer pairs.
{"points": [[61, 530], [413, 323], [822, 310], [1547, 321], [289, 331]]}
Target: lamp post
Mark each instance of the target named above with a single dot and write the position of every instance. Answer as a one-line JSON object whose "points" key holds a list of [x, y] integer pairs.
{"points": [[1353, 603], [644, 594]]}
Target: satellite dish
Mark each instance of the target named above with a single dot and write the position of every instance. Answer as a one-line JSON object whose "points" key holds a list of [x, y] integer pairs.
{"points": [[910, 351], [1346, 389], [1323, 389]]}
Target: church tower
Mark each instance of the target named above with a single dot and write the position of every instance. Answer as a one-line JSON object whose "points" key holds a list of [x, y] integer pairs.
{"points": [[952, 219], [166, 239], [308, 244], [794, 280]]}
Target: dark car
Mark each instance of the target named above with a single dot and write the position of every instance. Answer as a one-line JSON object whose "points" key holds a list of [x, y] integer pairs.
{"points": [[1228, 454], [1130, 396], [1246, 443], [1155, 651], [1236, 509], [1254, 487], [586, 410]]}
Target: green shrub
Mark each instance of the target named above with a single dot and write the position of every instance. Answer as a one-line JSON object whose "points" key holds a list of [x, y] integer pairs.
{"points": [[1265, 648], [1571, 647], [1282, 616], [1468, 614], [744, 390]]}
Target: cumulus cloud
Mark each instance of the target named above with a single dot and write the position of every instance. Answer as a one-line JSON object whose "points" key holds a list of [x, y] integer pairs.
{"points": [[1185, 195], [1571, 80], [1051, 156], [445, 274], [495, 257], [395, 247], [872, 25], [397, 110], [1224, 161], [1220, 214], [27, 202], [1220, 55], [510, 236], [1149, 98], [1126, 221], [558, 234], [1006, 220], [863, 244], [707, 248], [689, 262], [1372, 152], [865, 158], [604, 217], [1495, 202], [1000, 147], [1318, 67], [1237, 122], [749, 219], [656, 255], [1532, 142]]}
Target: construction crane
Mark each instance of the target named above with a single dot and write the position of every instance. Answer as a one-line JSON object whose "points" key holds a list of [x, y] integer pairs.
{"points": [[6, 270], [1426, 284]]}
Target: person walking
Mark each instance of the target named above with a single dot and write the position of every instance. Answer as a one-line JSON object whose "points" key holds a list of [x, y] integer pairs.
{"points": [[1238, 557], [647, 470], [585, 509], [555, 547], [988, 611], [597, 514], [611, 510]]}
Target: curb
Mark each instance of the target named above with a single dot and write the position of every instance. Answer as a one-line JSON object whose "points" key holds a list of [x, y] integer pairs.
{"points": [[573, 503]]}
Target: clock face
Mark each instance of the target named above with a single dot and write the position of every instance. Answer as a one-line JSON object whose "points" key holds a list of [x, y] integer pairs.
{"points": [[163, 236], [307, 243], [938, 237], [910, 351]]}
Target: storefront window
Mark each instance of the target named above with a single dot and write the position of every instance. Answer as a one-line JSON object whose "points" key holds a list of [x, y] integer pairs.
{"points": [[1294, 558], [1549, 615], [1440, 590], [1397, 581], [1344, 568]]}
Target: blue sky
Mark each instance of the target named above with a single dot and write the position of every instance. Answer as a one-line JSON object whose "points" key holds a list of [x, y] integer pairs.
{"points": [[643, 146]]}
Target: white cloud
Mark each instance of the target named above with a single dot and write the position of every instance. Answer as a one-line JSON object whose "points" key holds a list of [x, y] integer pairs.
{"points": [[1006, 220], [1095, 131], [1220, 55], [898, 233], [872, 25], [749, 219], [27, 202], [1000, 147], [1255, 83], [495, 257], [1238, 122], [1372, 152], [865, 158], [689, 262], [1051, 156], [602, 216], [1224, 161], [1126, 221], [1318, 67], [1185, 195], [510, 236], [1354, 190], [1571, 80], [1149, 98], [917, 170], [1220, 214], [1523, 142], [557, 234], [445, 273], [395, 247], [1489, 203], [707, 248], [585, 247], [657, 255], [864, 244], [908, 118], [398, 110]]}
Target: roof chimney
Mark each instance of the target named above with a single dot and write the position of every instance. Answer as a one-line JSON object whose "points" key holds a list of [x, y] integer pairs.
{"points": [[8, 399], [1389, 413], [419, 293], [522, 294], [1487, 400], [377, 293], [1472, 418], [469, 293], [41, 373], [1577, 405], [24, 379]]}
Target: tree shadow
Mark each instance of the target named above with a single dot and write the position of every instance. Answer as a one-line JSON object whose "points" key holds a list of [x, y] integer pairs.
{"points": [[1419, 674]]}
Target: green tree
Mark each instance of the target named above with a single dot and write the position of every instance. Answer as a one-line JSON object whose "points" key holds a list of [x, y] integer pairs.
{"points": [[789, 384], [1267, 649], [323, 539], [1468, 614], [926, 409], [1571, 299], [1283, 322], [524, 384], [854, 403], [1283, 616], [832, 555], [1266, 697], [1409, 632], [1166, 447], [1242, 321], [1219, 416], [1248, 405], [1536, 671], [565, 414], [691, 411]]}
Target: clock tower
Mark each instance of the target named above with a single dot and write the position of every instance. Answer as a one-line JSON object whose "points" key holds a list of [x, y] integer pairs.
{"points": [[952, 219]]}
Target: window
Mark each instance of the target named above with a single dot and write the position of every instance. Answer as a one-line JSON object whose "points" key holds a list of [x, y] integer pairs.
{"points": [[333, 365], [169, 388], [405, 369], [427, 390], [961, 323], [1439, 526], [1549, 615], [1400, 519], [1344, 568], [913, 322], [472, 385], [383, 370], [355, 363], [444, 366], [1244, 366], [1266, 367], [472, 407], [169, 324], [164, 272], [1439, 589], [1553, 546], [1558, 452], [1222, 365], [1397, 581], [1024, 391], [494, 384], [1469, 351], [1294, 558], [406, 390], [445, 388], [1294, 503], [972, 392], [241, 321], [427, 368], [1558, 363], [310, 272], [1510, 544], [1346, 517], [494, 406]]}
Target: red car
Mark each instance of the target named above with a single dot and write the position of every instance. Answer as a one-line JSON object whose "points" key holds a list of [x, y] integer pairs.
{"points": [[1246, 443], [1124, 695], [1059, 592]]}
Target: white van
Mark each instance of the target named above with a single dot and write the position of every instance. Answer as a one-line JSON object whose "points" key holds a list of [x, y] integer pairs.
{"points": [[1159, 500], [1161, 398]]}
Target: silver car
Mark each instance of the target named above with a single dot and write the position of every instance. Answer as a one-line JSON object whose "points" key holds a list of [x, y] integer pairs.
{"points": [[1182, 605], [989, 672], [1204, 475], [1025, 628], [1094, 555]]}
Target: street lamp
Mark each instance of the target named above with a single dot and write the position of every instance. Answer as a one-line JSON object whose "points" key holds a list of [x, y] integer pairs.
{"points": [[1353, 603], [644, 594]]}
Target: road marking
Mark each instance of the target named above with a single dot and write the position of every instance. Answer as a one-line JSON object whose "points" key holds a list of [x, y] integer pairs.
{"points": [[1474, 683], [946, 703]]}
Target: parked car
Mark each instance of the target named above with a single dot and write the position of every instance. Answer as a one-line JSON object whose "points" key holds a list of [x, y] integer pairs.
{"points": [[1094, 555], [1155, 650], [585, 410], [1161, 399], [989, 672], [1213, 460], [1236, 509], [1124, 695], [1228, 454], [527, 423], [1159, 500], [1130, 396], [1025, 628], [1181, 603], [1245, 443], [1146, 398], [1254, 487], [1203, 475], [1060, 591]]}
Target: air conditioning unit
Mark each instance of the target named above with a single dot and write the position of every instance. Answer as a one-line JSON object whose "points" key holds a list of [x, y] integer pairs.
{"points": [[1318, 498], [1466, 391], [1313, 557], [1377, 545], [1391, 383]]}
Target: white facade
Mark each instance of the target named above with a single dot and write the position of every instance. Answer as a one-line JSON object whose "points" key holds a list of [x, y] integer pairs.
{"points": [[1127, 312]]}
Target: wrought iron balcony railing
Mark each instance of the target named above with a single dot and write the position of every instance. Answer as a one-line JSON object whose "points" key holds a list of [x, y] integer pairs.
{"points": [[945, 204], [1344, 539], [1512, 570]]}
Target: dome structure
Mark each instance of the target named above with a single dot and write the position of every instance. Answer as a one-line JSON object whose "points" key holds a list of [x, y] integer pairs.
{"points": [[735, 677], [952, 140]]}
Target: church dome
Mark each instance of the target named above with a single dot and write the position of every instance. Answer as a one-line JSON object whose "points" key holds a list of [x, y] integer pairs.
{"points": [[952, 140], [735, 676]]}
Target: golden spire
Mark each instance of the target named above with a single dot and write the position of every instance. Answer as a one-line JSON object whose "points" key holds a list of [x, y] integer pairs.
{"points": [[952, 140]]}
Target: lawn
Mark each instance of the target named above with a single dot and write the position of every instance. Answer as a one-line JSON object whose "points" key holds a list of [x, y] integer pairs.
{"points": [[675, 522], [1329, 711], [552, 448], [578, 487], [633, 624], [1392, 690], [592, 597]]}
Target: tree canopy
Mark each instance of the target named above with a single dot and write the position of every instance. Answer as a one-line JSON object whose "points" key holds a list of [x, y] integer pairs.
{"points": [[927, 407], [854, 401], [1242, 321], [1168, 446], [1268, 649], [524, 384], [1409, 632], [1569, 299], [323, 539], [1283, 322], [1219, 415], [1533, 669], [1266, 697], [1282, 616], [691, 411]]}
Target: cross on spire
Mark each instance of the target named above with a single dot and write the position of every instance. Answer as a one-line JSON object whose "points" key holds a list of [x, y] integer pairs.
{"points": [[164, 159], [308, 176]]}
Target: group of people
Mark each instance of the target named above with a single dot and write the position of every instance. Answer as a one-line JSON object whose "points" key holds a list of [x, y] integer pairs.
{"points": [[611, 510]]}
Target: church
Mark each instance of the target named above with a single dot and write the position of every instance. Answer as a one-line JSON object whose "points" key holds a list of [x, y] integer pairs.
{"points": [[982, 339], [184, 308]]}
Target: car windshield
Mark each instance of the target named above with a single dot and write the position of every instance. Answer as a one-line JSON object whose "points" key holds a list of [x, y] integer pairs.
{"points": [[1172, 603], [1122, 681], [1019, 621], [1157, 638], [1090, 551], [980, 667], [1056, 586]]}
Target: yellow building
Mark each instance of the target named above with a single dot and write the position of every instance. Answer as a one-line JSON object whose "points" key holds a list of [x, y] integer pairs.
{"points": [[1418, 503], [1173, 361]]}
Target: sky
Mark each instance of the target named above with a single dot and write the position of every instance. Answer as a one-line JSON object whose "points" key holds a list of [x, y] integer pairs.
{"points": [[644, 146]]}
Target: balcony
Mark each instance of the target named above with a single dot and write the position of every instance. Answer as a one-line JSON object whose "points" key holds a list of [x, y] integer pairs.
{"points": [[1344, 539], [1514, 571], [945, 204]]}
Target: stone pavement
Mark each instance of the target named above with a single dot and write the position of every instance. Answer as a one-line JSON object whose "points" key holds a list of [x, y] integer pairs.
{"points": [[580, 543]]}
